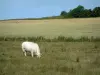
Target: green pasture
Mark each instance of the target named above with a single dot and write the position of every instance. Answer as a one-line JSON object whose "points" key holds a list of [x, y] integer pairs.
{"points": [[63, 58], [60, 56]]}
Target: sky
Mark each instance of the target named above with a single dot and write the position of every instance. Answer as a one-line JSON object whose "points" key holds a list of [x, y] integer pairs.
{"points": [[14, 9]]}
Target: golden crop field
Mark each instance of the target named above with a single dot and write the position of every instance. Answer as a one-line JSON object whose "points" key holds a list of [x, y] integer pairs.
{"points": [[51, 27]]}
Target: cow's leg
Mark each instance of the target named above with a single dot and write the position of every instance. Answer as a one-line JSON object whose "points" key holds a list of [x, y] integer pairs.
{"points": [[32, 53], [25, 53]]}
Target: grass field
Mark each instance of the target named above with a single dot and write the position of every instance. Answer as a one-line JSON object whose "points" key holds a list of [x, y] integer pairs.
{"points": [[59, 57], [63, 58], [51, 28]]}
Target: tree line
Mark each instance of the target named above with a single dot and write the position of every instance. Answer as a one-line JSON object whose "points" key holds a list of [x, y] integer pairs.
{"points": [[81, 12], [78, 12]]}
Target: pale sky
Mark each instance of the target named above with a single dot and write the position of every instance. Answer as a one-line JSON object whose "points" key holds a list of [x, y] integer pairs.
{"points": [[12, 9]]}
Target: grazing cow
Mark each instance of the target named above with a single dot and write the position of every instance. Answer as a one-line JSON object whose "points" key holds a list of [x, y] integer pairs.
{"points": [[31, 47]]}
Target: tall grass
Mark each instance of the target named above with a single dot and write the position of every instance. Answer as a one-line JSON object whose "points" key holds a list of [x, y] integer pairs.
{"points": [[58, 58], [56, 39]]}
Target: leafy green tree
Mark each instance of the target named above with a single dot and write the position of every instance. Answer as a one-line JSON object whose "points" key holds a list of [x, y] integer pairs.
{"points": [[81, 12], [86, 13], [64, 14], [96, 12], [76, 11]]}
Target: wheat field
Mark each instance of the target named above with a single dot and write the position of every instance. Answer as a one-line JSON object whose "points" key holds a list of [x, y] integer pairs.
{"points": [[51, 28]]}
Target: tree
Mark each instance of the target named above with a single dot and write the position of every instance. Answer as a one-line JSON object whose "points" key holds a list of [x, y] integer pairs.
{"points": [[86, 13], [64, 14], [76, 11], [96, 12], [81, 12]]}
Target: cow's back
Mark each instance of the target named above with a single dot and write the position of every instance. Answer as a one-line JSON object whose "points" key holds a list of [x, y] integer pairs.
{"points": [[27, 46]]}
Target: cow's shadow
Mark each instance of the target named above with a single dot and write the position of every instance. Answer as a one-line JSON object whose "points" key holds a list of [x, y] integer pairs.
{"points": [[29, 54]]}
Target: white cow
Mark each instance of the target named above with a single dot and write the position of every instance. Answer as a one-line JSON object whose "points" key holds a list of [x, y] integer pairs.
{"points": [[31, 47]]}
